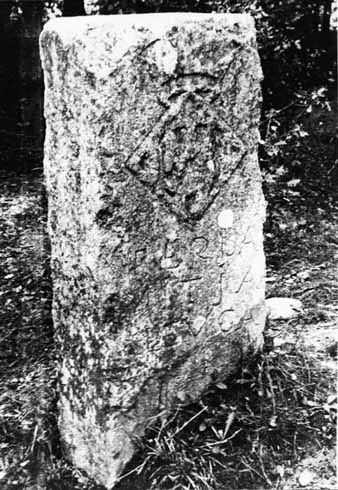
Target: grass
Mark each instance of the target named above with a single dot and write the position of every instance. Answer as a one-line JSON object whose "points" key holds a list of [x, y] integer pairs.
{"points": [[247, 434], [251, 433]]}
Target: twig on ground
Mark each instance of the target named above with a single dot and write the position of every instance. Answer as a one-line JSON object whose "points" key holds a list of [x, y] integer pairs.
{"points": [[189, 421]]}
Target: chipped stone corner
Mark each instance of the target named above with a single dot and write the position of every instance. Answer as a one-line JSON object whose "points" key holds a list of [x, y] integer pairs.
{"points": [[87, 443]]}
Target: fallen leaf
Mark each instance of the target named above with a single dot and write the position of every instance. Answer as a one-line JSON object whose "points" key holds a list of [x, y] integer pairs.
{"points": [[293, 182], [181, 396]]}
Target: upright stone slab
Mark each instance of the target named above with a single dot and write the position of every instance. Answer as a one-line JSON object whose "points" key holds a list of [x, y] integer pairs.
{"points": [[155, 218]]}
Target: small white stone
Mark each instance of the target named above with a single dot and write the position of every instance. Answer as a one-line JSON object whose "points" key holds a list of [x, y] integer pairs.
{"points": [[279, 342], [171, 234], [225, 218], [198, 323], [283, 308], [211, 165], [305, 478]]}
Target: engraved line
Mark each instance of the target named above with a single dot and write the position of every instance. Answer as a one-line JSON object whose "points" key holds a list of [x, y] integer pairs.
{"points": [[218, 300], [243, 281], [202, 247]]}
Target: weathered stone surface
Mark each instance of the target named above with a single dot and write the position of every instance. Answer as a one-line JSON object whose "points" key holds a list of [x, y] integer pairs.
{"points": [[155, 217]]}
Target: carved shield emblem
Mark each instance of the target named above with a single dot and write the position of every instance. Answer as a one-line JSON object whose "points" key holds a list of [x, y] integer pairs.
{"points": [[180, 157]]}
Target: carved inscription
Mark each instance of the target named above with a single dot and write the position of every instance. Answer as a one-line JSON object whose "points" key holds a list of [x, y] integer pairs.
{"points": [[217, 300], [184, 171], [187, 264], [170, 259], [181, 287], [225, 319], [245, 279], [200, 245], [249, 238], [181, 282], [140, 256]]}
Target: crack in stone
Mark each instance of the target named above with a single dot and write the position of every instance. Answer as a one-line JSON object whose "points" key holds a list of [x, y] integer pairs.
{"points": [[147, 46]]}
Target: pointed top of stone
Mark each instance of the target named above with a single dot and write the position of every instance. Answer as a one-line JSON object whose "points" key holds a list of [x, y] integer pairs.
{"points": [[69, 28], [155, 21], [167, 34]]}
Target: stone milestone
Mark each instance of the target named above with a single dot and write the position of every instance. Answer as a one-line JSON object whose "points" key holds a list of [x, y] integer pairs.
{"points": [[155, 218]]}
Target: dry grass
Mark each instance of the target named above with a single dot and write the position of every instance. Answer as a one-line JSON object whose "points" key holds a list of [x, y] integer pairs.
{"points": [[246, 435]]}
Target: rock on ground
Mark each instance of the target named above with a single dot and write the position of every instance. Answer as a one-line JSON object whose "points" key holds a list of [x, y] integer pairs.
{"points": [[155, 218], [283, 308]]}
